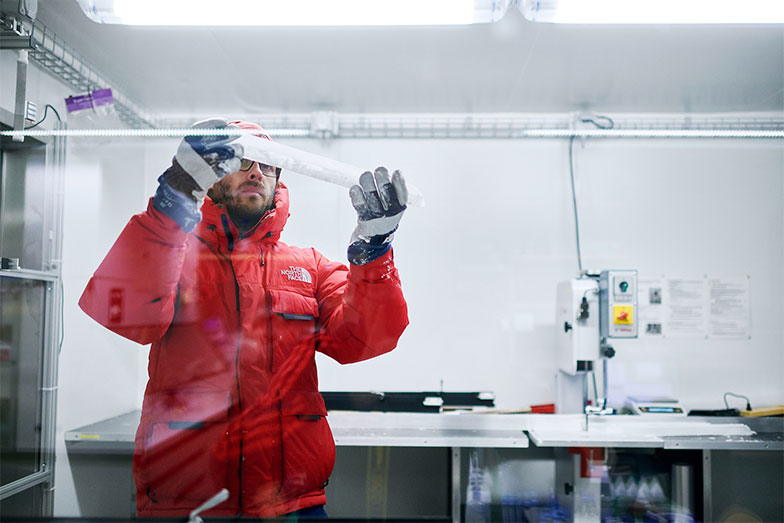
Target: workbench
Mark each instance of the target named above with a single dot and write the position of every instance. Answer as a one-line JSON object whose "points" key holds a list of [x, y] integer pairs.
{"points": [[451, 436]]}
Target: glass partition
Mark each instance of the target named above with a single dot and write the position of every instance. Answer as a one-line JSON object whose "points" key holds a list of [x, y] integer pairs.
{"points": [[22, 320], [30, 313], [24, 206], [238, 316]]}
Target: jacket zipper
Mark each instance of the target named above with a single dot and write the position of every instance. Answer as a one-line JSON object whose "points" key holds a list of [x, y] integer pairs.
{"points": [[239, 391], [230, 238], [268, 306], [268, 300]]}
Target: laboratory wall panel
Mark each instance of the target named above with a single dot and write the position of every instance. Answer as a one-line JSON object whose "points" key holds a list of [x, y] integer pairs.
{"points": [[481, 261]]}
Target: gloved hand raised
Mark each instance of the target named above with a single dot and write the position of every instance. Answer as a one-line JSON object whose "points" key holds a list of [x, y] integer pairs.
{"points": [[199, 163], [380, 203]]}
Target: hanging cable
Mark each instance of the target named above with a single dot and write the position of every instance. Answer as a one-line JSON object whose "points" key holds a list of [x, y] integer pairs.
{"points": [[610, 123], [62, 317], [46, 112], [740, 396], [607, 123], [574, 202]]}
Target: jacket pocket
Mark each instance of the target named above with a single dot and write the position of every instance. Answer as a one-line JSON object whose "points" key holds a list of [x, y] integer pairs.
{"points": [[293, 325], [293, 306], [308, 445], [186, 455]]}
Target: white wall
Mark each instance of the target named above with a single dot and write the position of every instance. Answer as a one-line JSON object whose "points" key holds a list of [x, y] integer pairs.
{"points": [[101, 374], [481, 261]]}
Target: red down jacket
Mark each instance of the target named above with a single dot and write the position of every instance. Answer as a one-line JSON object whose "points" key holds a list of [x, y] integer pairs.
{"points": [[232, 399]]}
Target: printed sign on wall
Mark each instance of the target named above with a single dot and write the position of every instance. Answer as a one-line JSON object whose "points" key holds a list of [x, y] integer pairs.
{"points": [[695, 308]]}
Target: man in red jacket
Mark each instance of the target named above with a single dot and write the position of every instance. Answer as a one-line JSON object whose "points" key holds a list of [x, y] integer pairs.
{"points": [[234, 317]]}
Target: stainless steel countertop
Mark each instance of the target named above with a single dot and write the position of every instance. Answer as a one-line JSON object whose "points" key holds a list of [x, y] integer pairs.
{"points": [[659, 431], [403, 429], [769, 435], [497, 431], [112, 435]]}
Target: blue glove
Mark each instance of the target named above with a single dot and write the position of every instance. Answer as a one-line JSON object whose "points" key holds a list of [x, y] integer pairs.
{"points": [[199, 163], [207, 159], [184, 210], [380, 203]]}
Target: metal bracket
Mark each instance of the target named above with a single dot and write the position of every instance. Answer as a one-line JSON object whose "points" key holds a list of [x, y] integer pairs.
{"points": [[17, 19], [21, 95], [324, 124], [28, 8], [11, 24]]}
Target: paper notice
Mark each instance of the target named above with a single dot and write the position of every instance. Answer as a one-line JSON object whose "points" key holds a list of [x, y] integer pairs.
{"points": [[687, 309], [651, 307], [695, 308], [730, 314]]}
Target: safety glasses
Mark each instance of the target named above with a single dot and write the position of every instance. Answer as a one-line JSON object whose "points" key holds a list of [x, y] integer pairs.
{"points": [[266, 170]]}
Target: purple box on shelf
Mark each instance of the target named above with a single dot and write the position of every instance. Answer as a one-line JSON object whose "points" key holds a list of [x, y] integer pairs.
{"points": [[97, 98], [102, 97], [77, 103]]}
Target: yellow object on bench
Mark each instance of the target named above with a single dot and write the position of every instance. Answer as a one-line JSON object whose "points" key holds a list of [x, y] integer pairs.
{"points": [[765, 411]]}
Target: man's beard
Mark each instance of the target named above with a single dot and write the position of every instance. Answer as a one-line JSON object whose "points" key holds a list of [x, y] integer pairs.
{"points": [[243, 213]]}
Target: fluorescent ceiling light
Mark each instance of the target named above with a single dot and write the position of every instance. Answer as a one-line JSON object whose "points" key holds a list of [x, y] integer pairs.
{"points": [[304, 133], [654, 11], [294, 12]]}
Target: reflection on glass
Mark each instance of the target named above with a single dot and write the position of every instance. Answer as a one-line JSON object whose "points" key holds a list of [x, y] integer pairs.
{"points": [[21, 348], [23, 207], [579, 484], [25, 504]]}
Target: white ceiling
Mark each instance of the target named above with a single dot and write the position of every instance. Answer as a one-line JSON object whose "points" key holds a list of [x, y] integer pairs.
{"points": [[513, 65]]}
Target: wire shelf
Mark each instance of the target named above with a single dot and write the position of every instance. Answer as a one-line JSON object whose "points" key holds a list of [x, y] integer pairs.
{"points": [[67, 65]]}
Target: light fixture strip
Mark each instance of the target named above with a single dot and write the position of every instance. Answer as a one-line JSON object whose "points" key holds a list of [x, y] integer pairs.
{"points": [[511, 133], [654, 12], [294, 13]]}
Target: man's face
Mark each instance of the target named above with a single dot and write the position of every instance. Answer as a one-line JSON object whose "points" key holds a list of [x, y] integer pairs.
{"points": [[247, 194]]}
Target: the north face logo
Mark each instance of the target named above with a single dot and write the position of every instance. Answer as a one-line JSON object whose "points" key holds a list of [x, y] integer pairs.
{"points": [[297, 274]]}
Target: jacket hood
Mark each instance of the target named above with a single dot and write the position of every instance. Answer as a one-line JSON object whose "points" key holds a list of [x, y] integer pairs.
{"points": [[250, 126], [216, 218]]}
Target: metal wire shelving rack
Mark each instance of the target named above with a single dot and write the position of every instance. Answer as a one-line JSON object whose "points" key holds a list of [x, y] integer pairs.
{"points": [[69, 66]]}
